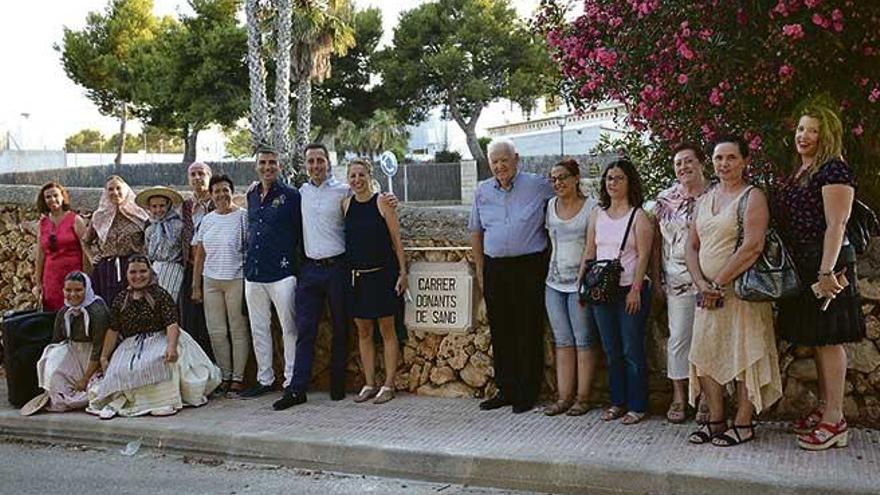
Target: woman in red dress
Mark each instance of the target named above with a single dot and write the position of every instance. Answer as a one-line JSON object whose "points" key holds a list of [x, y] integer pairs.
{"points": [[59, 245]]}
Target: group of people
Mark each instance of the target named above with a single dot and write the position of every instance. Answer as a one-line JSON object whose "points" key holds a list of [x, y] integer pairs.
{"points": [[179, 289], [165, 268], [699, 238]]}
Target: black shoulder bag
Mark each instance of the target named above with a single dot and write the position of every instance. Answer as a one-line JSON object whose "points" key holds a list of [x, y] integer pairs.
{"points": [[862, 225], [601, 283]]}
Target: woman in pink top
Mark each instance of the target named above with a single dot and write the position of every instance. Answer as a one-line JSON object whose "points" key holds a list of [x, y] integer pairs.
{"points": [[622, 322], [59, 248]]}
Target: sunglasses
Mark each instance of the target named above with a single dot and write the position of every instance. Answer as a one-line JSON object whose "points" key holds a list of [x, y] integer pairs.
{"points": [[53, 242]]}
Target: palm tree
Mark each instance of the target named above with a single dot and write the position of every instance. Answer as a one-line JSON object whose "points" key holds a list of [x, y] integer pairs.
{"points": [[281, 129], [384, 132], [321, 29], [257, 71]]}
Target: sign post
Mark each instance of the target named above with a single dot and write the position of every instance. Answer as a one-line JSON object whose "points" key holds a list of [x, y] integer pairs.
{"points": [[442, 297], [388, 164]]}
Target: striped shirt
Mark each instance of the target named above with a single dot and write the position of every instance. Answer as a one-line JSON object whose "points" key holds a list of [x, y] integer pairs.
{"points": [[223, 238]]}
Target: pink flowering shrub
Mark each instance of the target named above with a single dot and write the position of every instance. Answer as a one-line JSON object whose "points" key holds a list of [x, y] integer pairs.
{"points": [[691, 69]]}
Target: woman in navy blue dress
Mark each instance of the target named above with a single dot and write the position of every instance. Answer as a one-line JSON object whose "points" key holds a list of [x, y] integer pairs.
{"points": [[378, 276]]}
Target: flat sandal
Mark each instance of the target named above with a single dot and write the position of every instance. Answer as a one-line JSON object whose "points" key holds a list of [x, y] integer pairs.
{"points": [[612, 413], [579, 408], [632, 417], [725, 440], [704, 434], [558, 407]]}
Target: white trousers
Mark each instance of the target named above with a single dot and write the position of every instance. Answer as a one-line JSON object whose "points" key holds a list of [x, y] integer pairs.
{"points": [[260, 298], [681, 329]]}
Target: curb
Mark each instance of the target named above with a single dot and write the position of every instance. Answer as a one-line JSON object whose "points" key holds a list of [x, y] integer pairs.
{"points": [[533, 472]]}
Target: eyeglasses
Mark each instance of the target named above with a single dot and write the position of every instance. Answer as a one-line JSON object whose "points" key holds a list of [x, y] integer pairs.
{"points": [[558, 178]]}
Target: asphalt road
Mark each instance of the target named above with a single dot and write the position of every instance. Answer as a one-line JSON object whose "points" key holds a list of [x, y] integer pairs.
{"points": [[30, 468]]}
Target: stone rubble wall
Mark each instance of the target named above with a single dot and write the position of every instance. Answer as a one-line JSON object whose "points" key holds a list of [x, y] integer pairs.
{"points": [[460, 364]]}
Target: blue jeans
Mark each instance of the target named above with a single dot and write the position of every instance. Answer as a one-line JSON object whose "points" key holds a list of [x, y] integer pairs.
{"points": [[623, 338], [572, 324]]}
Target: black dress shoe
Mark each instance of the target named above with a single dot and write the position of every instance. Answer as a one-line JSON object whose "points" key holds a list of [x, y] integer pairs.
{"points": [[289, 400], [256, 391], [522, 407], [493, 403]]}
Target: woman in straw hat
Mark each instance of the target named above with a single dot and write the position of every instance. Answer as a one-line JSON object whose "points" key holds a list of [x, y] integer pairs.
{"points": [[164, 236]]}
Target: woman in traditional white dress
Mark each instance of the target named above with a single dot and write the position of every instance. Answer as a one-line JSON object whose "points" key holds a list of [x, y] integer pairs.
{"points": [[72, 359], [157, 368]]}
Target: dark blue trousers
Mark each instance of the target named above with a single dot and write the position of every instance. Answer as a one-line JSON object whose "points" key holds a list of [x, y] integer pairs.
{"points": [[623, 339], [316, 285]]}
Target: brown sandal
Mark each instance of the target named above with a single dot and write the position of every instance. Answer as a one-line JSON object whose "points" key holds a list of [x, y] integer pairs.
{"points": [[677, 413], [612, 413], [558, 407], [580, 407]]}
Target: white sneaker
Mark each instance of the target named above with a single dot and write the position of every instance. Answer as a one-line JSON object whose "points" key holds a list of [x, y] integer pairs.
{"points": [[107, 413]]}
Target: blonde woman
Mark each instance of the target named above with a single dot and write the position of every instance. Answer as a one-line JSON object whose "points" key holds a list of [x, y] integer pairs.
{"points": [[813, 206], [378, 276]]}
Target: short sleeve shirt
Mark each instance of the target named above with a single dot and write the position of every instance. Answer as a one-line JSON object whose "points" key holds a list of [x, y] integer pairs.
{"points": [[512, 221], [139, 316], [674, 211], [223, 238], [799, 209]]}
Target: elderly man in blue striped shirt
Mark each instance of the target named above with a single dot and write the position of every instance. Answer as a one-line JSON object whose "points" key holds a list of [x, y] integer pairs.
{"points": [[509, 245]]}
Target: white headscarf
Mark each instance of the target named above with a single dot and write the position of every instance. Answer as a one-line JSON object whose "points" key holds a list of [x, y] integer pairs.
{"points": [[70, 310], [103, 217]]}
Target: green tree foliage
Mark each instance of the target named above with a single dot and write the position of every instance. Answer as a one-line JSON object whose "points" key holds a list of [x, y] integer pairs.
{"points": [[86, 141], [321, 30], [692, 70], [238, 142], [100, 56], [348, 93], [194, 74], [463, 54], [158, 141], [382, 132]]}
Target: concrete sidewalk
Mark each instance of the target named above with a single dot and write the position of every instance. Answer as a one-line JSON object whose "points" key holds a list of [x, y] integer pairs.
{"points": [[451, 440]]}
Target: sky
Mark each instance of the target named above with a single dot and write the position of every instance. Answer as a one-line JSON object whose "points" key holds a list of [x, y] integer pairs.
{"points": [[39, 104]]}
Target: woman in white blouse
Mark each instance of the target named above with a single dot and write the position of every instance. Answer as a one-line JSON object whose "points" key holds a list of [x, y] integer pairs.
{"points": [[218, 279]]}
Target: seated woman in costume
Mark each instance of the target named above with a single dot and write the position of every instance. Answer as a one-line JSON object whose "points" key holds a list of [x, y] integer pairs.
{"points": [[72, 359], [157, 368]]}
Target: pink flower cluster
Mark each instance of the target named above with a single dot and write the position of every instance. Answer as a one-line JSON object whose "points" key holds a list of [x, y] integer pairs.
{"points": [[690, 69]]}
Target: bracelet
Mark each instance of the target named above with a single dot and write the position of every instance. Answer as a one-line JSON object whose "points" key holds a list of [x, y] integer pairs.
{"points": [[826, 274], [714, 286]]}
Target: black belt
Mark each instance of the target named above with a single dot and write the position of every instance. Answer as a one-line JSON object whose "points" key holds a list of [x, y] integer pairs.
{"points": [[515, 259], [327, 261]]}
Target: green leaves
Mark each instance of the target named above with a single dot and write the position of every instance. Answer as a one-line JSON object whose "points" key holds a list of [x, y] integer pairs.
{"points": [[463, 54]]}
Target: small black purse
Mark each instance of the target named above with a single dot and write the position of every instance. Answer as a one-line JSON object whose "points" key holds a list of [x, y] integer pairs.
{"points": [[601, 282], [862, 225]]}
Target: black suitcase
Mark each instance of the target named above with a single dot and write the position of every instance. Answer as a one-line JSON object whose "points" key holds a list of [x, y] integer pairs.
{"points": [[25, 335]]}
